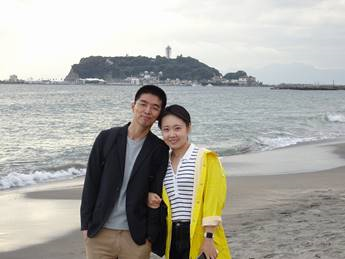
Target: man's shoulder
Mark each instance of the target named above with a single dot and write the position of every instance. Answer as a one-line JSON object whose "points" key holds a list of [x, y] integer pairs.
{"points": [[111, 133], [158, 141], [113, 130], [110, 130]]}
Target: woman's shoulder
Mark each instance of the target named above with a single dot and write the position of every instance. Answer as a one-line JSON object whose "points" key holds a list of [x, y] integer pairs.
{"points": [[207, 152]]}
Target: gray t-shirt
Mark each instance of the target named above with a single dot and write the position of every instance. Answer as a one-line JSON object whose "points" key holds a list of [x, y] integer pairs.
{"points": [[118, 217]]}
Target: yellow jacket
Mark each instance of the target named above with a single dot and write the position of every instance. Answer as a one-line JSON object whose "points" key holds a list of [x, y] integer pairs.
{"points": [[209, 196]]}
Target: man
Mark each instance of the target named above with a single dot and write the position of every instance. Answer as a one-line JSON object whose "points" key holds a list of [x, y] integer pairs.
{"points": [[125, 163]]}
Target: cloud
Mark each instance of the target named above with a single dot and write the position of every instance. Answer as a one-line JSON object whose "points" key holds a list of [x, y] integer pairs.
{"points": [[46, 37], [298, 73]]}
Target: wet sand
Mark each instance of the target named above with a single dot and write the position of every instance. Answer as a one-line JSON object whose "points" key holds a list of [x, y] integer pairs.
{"points": [[300, 215], [288, 216]]}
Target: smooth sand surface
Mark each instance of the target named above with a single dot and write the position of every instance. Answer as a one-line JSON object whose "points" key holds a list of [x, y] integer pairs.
{"points": [[300, 158], [267, 216], [37, 214]]}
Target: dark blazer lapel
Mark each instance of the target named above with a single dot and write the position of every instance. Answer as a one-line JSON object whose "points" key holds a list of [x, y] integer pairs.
{"points": [[144, 152], [121, 147]]}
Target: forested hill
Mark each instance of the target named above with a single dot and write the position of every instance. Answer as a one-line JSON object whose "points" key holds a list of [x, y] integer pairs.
{"points": [[109, 68]]}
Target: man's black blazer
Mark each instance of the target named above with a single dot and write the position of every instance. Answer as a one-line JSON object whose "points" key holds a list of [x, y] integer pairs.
{"points": [[102, 187]]}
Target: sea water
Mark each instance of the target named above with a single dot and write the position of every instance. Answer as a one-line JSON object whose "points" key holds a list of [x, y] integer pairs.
{"points": [[47, 131]]}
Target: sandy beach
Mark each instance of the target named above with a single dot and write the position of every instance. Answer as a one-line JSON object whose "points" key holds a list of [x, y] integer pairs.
{"points": [[286, 203]]}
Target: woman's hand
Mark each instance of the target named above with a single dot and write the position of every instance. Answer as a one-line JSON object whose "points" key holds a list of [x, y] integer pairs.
{"points": [[153, 200], [84, 233], [209, 248]]}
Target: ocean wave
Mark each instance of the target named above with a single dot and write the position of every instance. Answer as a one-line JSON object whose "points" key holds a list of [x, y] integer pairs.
{"points": [[279, 142], [335, 117], [266, 143], [19, 179], [236, 150]]}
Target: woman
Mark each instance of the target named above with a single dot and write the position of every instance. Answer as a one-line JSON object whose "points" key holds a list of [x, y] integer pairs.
{"points": [[194, 191]]}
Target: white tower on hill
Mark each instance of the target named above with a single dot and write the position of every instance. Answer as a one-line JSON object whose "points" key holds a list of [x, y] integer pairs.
{"points": [[168, 51]]}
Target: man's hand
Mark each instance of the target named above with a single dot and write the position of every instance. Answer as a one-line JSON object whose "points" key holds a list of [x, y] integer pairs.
{"points": [[153, 200]]}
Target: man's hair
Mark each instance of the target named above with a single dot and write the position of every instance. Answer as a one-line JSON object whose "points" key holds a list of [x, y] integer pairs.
{"points": [[178, 111], [154, 90]]}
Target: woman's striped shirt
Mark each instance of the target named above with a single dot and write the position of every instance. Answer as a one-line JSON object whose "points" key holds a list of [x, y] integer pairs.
{"points": [[180, 185]]}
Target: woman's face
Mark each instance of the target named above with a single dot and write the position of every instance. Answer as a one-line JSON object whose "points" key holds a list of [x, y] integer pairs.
{"points": [[175, 131]]}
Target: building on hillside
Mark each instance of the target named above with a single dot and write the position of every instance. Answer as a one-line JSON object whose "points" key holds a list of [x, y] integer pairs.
{"points": [[247, 81], [13, 79]]}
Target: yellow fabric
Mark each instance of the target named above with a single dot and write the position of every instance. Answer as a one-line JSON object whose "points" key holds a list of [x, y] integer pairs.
{"points": [[208, 203]]}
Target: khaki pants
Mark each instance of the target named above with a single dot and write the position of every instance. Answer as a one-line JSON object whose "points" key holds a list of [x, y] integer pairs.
{"points": [[113, 244]]}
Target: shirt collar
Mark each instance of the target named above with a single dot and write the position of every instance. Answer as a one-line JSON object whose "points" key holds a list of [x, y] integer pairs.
{"points": [[186, 155], [189, 152]]}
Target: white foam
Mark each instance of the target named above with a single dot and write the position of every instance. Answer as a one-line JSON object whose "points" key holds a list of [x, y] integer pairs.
{"points": [[18, 179], [278, 142], [335, 117]]}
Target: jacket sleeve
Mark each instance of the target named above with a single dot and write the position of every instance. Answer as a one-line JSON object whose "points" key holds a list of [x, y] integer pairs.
{"points": [[156, 216], [160, 165], [91, 182], [215, 190]]}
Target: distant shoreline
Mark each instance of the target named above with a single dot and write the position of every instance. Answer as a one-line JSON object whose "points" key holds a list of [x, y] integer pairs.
{"points": [[283, 86]]}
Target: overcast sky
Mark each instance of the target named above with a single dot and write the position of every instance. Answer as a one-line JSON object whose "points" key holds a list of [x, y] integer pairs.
{"points": [[43, 38]]}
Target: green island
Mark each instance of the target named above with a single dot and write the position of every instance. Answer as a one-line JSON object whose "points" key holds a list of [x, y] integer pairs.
{"points": [[159, 70]]}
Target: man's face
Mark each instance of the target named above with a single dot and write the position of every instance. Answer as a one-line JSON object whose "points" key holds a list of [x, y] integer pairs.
{"points": [[146, 109]]}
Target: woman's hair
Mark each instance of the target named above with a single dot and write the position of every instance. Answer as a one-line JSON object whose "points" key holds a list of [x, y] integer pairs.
{"points": [[178, 111]]}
